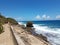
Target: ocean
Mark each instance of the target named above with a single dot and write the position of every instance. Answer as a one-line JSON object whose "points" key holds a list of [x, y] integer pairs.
{"points": [[48, 28]]}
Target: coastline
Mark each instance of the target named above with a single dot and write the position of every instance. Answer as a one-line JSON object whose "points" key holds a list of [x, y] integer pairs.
{"points": [[26, 37]]}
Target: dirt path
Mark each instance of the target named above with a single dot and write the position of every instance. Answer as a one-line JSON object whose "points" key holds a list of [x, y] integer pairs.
{"points": [[6, 37]]}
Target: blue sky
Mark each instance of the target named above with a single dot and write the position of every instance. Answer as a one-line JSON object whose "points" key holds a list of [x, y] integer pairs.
{"points": [[31, 9]]}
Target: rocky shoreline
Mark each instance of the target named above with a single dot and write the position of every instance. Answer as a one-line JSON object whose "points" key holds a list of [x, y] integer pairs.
{"points": [[19, 36], [29, 38]]}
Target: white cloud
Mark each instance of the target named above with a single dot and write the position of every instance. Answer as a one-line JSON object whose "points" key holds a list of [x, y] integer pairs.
{"points": [[45, 17], [48, 17], [58, 17], [38, 17]]}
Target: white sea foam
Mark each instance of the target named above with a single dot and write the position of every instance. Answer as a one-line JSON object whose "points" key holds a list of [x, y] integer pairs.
{"points": [[20, 23], [53, 35], [46, 29]]}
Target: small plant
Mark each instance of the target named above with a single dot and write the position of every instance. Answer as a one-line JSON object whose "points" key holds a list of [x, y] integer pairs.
{"points": [[29, 24], [1, 28]]}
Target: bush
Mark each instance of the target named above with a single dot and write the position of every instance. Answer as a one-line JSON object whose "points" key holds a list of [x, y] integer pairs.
{"points": [[12, 21], [2, 19], [29, 24], [1, 28]]}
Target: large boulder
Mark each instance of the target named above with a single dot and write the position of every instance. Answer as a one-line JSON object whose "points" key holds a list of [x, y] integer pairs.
{"points": [[29, 24], [29, 27]]}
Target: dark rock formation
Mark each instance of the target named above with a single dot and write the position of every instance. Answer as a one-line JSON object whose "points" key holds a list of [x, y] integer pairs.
{"points": [[43, 37], [29, 24]]}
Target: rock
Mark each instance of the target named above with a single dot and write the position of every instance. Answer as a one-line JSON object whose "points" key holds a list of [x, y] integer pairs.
{"points": [[43, 37], [29, 24], [23, 26]]}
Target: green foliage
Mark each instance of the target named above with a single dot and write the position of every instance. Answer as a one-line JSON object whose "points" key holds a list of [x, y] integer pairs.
{"points": [[2, 19], [1, 28], [12, 21], [29, 24]]}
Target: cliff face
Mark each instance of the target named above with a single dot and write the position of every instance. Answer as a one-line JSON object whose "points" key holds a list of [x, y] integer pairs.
{"points": [[27, 38]]}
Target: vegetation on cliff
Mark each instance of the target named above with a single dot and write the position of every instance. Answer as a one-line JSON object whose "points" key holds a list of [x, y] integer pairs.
{"points": [[12, 21], [4, 20], [1, 28]]}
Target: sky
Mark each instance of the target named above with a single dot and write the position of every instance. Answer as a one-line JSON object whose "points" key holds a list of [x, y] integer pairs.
{"points": [[31, 9]]}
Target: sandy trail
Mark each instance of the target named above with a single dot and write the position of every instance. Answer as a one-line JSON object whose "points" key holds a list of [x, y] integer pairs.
{"points": [[6, 37]]}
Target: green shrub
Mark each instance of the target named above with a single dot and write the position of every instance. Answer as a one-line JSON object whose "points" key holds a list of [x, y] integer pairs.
{"points": [[29, 24], [1, 28], [2, 19], [12, 21]]}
